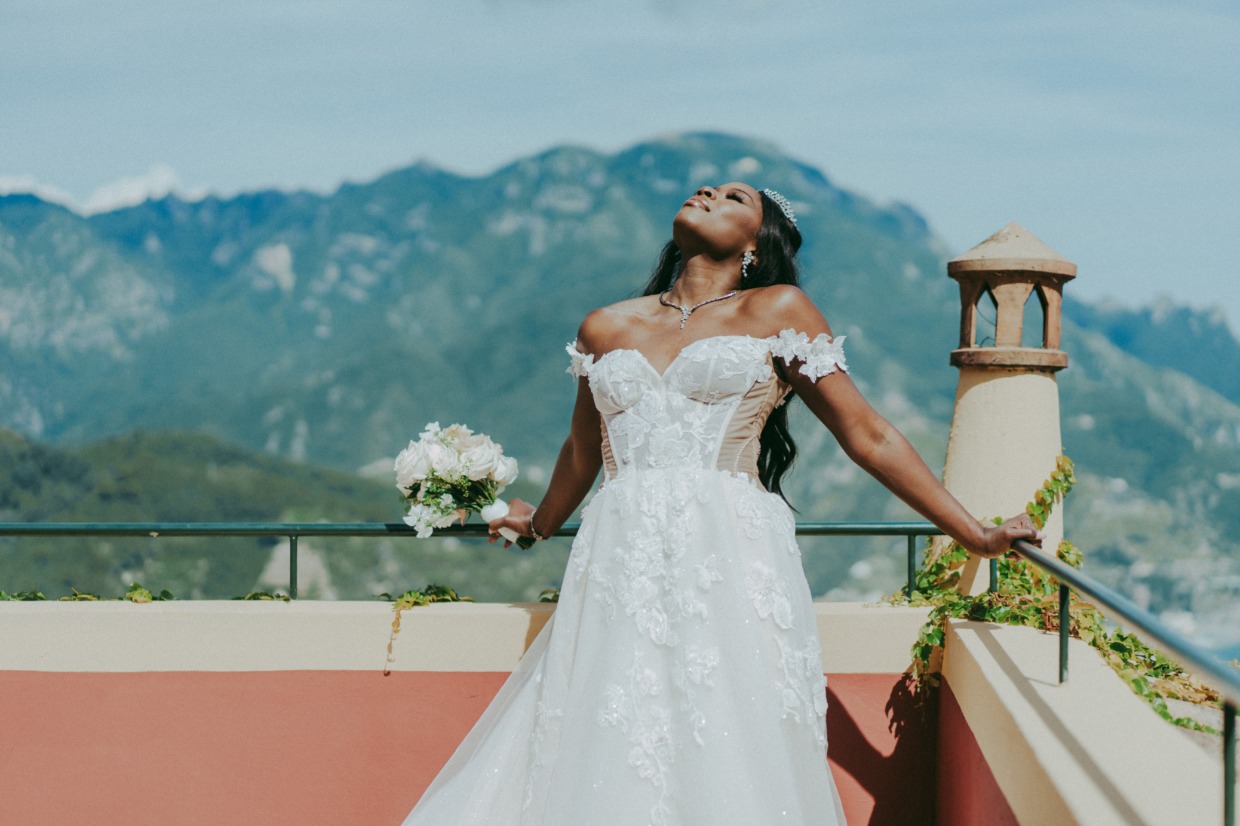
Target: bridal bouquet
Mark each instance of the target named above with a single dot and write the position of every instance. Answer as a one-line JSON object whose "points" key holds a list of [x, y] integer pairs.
{"points": [[449, 472]]}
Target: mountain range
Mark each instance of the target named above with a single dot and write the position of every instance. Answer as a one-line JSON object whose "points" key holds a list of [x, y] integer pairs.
{"points": [[326, 329]]}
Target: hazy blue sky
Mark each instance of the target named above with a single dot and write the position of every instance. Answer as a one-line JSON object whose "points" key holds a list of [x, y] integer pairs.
{"points": [[1109, 129]]}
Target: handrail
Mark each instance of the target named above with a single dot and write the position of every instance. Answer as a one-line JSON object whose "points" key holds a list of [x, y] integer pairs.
{"points": [[910, 530], [1179, 648], [384, 529], [1172, 643]]}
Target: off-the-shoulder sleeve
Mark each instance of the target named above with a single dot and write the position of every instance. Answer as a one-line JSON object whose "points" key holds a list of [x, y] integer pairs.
{"points": [[580, 363], [820, 357]]}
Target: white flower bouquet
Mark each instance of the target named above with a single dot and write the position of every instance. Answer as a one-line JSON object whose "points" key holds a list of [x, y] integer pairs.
{"points": [[449, 472]]}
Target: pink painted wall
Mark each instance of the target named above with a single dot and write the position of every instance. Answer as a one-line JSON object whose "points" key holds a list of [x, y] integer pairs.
{"points": [[309, 747], [967, 794], [881, 749]]}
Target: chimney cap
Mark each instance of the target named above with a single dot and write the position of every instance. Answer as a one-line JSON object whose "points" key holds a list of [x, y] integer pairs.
{"points": [[1012, 248]]}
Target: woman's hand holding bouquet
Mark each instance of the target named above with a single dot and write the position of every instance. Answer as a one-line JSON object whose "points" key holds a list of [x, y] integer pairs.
{"points": [[514, 523], [449, 472]]}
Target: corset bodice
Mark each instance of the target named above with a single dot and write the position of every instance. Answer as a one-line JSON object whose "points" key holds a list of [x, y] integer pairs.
{"points": [[707, 409]]}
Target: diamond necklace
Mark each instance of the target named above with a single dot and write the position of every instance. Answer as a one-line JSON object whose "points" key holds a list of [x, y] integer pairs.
{"points": [[685, 312]]}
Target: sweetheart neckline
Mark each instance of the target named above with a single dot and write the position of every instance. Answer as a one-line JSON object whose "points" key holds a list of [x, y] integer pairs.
{"points": [[663, 374]]}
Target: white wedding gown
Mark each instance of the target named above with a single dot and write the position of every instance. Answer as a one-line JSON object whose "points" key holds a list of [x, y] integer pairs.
{"points": [[680, 681]]}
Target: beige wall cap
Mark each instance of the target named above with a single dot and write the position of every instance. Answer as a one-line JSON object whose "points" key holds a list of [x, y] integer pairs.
{"points": [[1012, 248], [1036, 358]]}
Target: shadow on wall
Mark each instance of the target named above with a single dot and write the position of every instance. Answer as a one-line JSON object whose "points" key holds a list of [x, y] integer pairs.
{"points": [[882, 758]]}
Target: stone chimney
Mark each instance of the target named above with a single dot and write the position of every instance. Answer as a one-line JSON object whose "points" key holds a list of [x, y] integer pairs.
{"points": [[1005, 434]]}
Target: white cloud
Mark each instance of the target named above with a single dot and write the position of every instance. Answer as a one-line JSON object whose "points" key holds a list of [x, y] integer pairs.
{"points": [[19, 184], [157, 182]]}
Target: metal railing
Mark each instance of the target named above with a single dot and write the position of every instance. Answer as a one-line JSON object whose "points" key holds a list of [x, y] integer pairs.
{"points": [[1190, 655], [1204, 665], [292, 530]]}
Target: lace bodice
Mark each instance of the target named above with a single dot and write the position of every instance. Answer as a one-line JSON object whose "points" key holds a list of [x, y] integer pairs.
{"points": [[707, 409]]}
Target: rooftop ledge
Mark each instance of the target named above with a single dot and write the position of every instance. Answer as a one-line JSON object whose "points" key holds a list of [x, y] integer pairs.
{"points": [[236, 635], [207, 712]]}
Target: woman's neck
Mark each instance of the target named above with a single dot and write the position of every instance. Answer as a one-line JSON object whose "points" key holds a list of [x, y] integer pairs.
{"points": [[701, 279]]}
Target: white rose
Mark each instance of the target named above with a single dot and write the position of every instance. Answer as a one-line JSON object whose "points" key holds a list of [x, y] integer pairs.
{"points": [[411, 466], [444, 461], [455, 433], [479, 458], [505, 471]]}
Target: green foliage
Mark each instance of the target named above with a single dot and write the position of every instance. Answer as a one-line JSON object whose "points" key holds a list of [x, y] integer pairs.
{"points": [[549, 595], [411, 599], [424, 596], [79, 596], [22, 596], [266, 596], [137, 593], [1027, 596]]}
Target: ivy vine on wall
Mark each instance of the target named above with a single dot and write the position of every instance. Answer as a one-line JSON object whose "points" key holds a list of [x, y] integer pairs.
{"points": [[1028, 596]]}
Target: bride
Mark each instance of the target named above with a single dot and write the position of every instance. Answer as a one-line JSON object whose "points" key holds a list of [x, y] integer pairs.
{"points": [[680, 680]]}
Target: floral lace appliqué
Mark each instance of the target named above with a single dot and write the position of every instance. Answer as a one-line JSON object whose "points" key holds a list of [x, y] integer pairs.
{"points": [[755, 516], [544, 720], [580, 363], [820, 357], [770, 598], [803, 688], [641, 710]]}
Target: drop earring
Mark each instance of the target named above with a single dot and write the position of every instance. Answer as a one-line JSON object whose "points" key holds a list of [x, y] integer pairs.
{"points": [[746, 260]]}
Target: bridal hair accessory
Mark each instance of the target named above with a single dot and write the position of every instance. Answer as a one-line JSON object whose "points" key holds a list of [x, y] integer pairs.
{"points": [[685, 312], [784, 205], [746, 260]]}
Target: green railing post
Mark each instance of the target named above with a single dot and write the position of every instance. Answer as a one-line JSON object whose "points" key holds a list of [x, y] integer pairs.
{"points": [[292, 566], [1065, 631], [912, 567], [1229, 764]]}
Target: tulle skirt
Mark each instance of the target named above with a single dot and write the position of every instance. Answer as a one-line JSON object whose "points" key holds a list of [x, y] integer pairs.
{"points": [[679, 683]]}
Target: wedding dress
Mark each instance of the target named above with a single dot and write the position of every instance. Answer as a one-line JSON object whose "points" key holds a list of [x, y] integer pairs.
{"points": [[680, 680]]}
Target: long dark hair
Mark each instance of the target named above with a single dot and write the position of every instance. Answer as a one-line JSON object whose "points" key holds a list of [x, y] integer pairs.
{"points": [[777, 244]]}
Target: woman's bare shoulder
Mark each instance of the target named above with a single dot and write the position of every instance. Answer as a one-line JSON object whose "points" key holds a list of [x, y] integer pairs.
{"points": [[780, 297], [783, 306], [602, 326]]}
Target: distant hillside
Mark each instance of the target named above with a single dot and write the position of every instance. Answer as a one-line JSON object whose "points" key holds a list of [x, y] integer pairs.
{"points": [[186, 477], [1196, 343], [161, 477], [328, 329]]}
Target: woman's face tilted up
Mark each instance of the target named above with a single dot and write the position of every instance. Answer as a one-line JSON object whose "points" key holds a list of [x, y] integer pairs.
{"points": [[721, 222]]}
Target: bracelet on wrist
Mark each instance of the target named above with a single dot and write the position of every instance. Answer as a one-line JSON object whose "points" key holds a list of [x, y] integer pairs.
{"points": [[533, 531]]}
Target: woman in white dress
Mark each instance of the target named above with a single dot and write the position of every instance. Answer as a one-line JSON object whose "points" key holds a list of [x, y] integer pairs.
{"points": [[680, 681]]}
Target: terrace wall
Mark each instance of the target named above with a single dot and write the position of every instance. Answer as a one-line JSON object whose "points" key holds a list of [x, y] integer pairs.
{"points": [[227, 712]]}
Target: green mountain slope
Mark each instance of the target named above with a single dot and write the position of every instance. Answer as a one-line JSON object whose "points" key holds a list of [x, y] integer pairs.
{"points": [[187, 477], [329, 328]]}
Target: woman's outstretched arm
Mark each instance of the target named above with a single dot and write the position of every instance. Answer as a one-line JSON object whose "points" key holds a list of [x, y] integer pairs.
{"points": [[576, 468], [881, 450]]}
